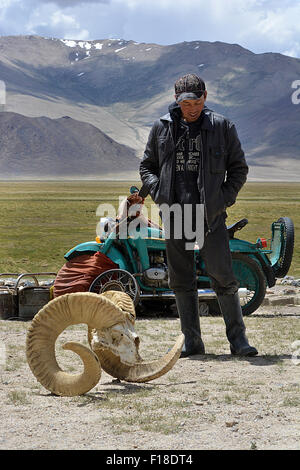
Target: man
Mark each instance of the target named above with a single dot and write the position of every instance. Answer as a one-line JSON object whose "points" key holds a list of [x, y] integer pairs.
{"points": [[194, 156]]}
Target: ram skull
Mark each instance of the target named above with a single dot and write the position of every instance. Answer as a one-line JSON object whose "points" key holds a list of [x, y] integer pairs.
{"points": [[114, 344]]}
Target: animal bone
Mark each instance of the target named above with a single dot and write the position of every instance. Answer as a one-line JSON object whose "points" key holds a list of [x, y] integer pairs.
{"points": [[110, 317]]}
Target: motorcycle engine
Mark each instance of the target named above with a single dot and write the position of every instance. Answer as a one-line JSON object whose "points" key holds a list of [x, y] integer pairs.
{"points": [[157, 274]]}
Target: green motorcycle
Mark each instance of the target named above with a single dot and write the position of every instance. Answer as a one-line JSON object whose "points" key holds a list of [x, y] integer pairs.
{"points": [[143, 271]]}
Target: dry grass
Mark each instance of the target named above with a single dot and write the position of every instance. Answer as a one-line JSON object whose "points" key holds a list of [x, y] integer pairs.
{"points": [[215, 401], [41, 221]]}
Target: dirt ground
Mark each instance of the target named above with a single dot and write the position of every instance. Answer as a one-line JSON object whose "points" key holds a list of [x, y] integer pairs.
{"points": [[215, 401]]}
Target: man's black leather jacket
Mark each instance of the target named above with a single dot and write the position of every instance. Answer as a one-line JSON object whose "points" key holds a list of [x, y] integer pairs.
{"points": [[222, 172]]}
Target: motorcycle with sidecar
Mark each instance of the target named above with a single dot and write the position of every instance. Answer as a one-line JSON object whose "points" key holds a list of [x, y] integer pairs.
{"points": [[143, 271]]}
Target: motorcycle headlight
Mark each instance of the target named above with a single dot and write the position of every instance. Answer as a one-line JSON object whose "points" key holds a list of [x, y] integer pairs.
{"points": [[105, 227]]}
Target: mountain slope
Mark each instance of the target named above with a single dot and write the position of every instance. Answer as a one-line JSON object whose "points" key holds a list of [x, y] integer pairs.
{"points": [[64, 147], [121, 87]]}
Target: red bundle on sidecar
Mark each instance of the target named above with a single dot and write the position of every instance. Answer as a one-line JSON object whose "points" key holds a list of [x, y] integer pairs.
{"points": [[78, 273]]}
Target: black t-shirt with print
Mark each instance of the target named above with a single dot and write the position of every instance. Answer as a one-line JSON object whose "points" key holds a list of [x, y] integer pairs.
{"points": [[188, 159]]}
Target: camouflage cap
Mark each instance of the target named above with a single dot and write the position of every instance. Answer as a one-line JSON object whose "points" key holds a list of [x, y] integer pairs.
{"points": [[189, 87]]}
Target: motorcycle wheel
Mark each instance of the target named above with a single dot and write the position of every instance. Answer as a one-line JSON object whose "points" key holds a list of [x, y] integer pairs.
{"points": [[119, 280], [249, 274], [282, 266]]}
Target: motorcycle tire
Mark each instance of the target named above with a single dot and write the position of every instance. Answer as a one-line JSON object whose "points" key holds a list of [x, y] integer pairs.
{"points": [[119, 280], [282, 266], [249, 274]]}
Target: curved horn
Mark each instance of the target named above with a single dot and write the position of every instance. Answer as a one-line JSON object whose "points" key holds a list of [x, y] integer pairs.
{"points": [[141, 371], [81, 307], [123, 301]]}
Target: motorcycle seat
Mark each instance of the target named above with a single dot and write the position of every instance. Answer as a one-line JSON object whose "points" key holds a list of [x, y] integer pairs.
{"points": [[236, 226]]}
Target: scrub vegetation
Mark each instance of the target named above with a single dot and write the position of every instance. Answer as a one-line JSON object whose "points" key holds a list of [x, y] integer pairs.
{"points": [[216, 401], [41, 220]]}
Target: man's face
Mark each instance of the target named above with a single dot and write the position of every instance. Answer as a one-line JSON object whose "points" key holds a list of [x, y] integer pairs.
{"points": [[191, 109]]}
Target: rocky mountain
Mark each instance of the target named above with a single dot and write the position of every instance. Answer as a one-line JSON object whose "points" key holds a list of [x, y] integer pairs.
{"points": [[121, 87], [43, 147]]}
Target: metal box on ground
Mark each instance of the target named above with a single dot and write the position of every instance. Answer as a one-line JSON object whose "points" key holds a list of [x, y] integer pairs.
{"points": [[31, 300], [8, 303], [22, 302]]}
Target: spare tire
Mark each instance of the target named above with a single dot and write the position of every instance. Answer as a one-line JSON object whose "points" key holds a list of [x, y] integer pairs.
{"points": [[249, 274], [282, 265]]}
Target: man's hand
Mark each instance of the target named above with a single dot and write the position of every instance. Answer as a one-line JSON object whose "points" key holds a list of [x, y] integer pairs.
{"points": [[135, 199]]}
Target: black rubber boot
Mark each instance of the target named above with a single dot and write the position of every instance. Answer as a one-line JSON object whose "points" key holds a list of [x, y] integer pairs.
{"points": [[235, 327], [188, 309]]}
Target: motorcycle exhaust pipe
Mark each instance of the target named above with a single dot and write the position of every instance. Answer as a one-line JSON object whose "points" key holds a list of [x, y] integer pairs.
{"points": [[202, 294]]}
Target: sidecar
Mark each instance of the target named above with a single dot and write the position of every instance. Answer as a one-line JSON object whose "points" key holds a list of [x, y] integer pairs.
{"points": [[143, 273]]}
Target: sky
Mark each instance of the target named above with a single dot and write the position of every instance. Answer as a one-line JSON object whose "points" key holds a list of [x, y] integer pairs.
{"points": [[258, 25]]}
